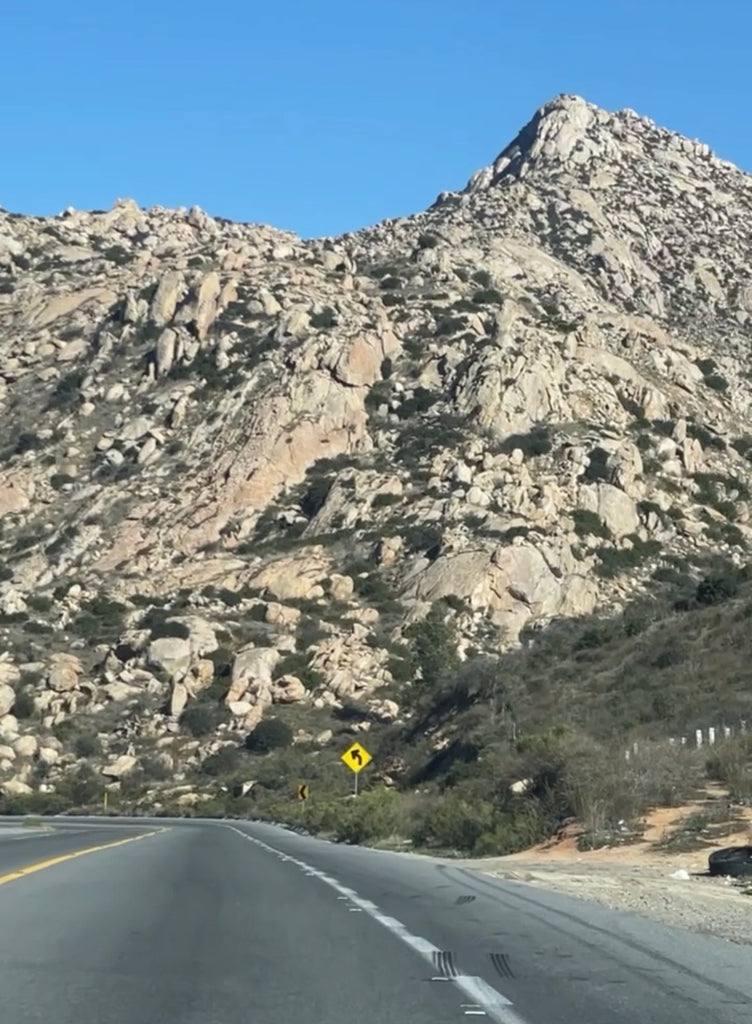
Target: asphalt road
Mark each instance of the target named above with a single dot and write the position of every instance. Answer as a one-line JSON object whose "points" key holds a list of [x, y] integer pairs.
{"points": [[22, 845], [226, 922]]}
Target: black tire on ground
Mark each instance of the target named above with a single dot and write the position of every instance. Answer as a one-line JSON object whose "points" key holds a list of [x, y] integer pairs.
{"points": [[734, 861]]}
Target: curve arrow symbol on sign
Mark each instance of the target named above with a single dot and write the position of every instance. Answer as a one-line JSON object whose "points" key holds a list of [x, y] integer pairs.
{"points": [[355, 755]]}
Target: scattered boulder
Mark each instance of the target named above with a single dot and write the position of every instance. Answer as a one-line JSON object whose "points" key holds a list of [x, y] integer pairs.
{"points": [[64, 673], [121, 767], [288, 690], [165, 300], [172, 654], [119, 691], [15, 787], [252, 674], [613, 507], [7, 699], [282, 615], [292, 578], [341, 587], [26, 746], [178, 699], [384, 710]]}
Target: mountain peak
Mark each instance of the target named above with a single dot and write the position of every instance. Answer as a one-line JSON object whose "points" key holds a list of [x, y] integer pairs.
{"points": [[568, 133]]}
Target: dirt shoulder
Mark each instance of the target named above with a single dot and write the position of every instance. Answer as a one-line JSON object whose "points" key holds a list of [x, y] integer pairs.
{"points": [[672, 887]]}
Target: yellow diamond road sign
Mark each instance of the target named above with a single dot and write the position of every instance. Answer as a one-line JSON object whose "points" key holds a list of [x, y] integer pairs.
{"points": [[356, 757]]}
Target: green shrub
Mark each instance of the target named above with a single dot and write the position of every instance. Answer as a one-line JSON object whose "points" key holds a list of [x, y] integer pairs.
{"points": [[383, 500], [402, 670], [118, 254], [23, 707], [99, 620], [717, 382], [535, 442], [433, 643], [597, 468], [453, 823], [376, 591], [269, 734], [222, 658], [81, 788], [87, 745], [706, 439], [715, 490], [34, 803], [309, 631], [324, 319], [729, 763], [197, 720], [716, 589], [170, 628], [488, 297], [414, 345], [66, 393], [154, 769], [673, 652], [743, 445], [60, 480], [589, 523], [421, 401], [28, 442], [376, 814], [296, 663], [595, 636], [7, 618], [617, 560], [224, 761], [450, 325], [425, 538]]}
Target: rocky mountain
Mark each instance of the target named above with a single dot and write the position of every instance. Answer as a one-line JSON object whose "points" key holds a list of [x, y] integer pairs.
{"points": [[239, 468]]}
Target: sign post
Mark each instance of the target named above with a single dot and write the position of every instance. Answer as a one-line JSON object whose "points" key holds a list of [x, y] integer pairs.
{"points": [[356, 757]]}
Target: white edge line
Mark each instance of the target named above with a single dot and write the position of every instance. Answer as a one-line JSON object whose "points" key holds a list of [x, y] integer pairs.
{"points": [[479, 991]]}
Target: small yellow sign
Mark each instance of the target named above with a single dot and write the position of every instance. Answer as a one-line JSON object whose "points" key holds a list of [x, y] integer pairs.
{"points": [[303, 791], [356, 757]]}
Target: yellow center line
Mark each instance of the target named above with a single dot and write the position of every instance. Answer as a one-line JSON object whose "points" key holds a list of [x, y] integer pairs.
{"points": [[52, 861]]}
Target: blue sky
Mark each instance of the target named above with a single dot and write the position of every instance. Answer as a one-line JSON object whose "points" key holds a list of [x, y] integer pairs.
{"points": [[322, 116]]}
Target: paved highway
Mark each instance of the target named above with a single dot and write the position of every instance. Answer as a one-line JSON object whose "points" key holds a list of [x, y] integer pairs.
{"points": [[223, 922]]}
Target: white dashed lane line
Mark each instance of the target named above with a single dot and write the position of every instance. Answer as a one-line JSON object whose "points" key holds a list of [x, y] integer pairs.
{"points": [[485, 1000]]}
